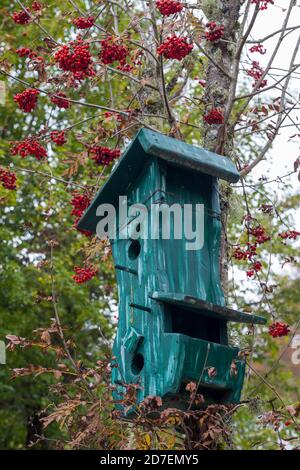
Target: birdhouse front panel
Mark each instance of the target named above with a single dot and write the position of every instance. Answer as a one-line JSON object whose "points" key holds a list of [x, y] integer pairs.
{"points": [[172, 325]]}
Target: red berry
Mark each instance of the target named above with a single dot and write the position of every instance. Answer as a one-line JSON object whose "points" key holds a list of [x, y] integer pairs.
{"points": [[278, 329], [289, 234], [256, 72], [260, 234], [104, 155], [214, 32], [27, 100], [113, 50], [84, 23], [169, 7], [258, 48], [76, 58], [175, 47], [21, 17], [60, 101], [84, 274], [263, 4], [214, 116], [257, 266], [36, 6], [23, 52], [239, 254], [29, 146], [80, 203], [58, 137], [8, 179]]}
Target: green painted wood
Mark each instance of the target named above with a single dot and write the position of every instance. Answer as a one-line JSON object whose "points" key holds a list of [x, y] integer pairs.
{"points": [[2, 353], [196, 159], [162, 342], [148, 145], [207, 308]]}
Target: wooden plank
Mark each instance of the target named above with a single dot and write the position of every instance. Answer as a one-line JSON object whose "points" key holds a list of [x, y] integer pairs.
{"points": [[207, 308]]}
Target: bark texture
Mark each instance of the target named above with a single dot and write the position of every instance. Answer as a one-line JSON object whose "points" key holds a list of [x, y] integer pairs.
{"points": [[217, 93]]}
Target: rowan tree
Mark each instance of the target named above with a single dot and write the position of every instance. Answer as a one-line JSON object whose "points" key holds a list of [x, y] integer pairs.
{"points": [[78, 80]]}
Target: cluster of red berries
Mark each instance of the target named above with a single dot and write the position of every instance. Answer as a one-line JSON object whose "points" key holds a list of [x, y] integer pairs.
{"points": [[113, 50], [84, 274], [290, 234], [58, 137], [256, 72], [263, 4], [258, 48], [260, 237], [60, 100], [80, 203], [169, 7], [214, 116], [175, 47], [240, 254], [21, 17], [214, 31], [26, 52], [256, 267], [36, 6], [279, 329], [8, 179], [27, 100], [84, 23], [260, 234], [76, 58], [29, 146], [104, 155]]}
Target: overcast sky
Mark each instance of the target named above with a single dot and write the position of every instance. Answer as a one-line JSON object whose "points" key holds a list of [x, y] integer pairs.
{"points": [[284, 152]]}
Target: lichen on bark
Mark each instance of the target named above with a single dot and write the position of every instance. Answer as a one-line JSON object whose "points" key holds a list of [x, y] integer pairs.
{"points": [[219, 81]]}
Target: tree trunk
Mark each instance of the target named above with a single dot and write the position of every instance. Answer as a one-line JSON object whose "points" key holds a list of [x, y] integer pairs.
{"points": [[219, 85], [216, 95]]}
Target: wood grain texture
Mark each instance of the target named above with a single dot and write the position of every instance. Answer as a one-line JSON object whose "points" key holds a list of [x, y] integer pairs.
{"points": [[172, 316]]}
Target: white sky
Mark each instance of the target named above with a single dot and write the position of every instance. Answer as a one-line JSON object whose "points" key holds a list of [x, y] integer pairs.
{"points": [[281, 157]]}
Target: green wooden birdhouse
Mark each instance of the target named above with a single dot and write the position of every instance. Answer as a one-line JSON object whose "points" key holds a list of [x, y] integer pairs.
{"points": [[172, 316]]}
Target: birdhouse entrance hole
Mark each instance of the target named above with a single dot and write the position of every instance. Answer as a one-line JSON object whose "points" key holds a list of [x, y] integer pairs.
{"points": [[192, 323], [213, 395], [137, 363], [134, 249]]}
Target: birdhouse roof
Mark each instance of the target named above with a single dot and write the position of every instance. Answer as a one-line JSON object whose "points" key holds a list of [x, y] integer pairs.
{"points": [[149, 144]]}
